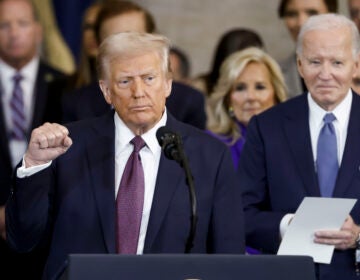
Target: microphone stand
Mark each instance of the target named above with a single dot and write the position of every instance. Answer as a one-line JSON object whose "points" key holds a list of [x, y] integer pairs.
{"points": [[182, 160]]}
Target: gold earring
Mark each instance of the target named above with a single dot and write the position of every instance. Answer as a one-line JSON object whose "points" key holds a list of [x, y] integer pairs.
{"points": [[231, 111]]}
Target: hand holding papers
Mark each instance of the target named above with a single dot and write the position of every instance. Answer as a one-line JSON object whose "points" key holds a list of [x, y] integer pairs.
{"points": [[314, 214]]}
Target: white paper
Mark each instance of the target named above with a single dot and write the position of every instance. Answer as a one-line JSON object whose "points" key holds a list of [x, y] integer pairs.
{"points": [[313, 214]]}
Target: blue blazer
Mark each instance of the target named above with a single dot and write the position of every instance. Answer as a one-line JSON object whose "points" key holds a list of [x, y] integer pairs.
{"points": [[73, 201], [277, 171]]}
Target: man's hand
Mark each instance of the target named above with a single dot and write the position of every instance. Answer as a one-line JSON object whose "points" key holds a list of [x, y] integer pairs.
{"points": [[47, 142], [343, 239]]}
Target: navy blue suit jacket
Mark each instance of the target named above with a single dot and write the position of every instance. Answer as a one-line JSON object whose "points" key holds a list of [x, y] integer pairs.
{"points": [[28, 265], [74, 199], [185, 103], [277, 171]]}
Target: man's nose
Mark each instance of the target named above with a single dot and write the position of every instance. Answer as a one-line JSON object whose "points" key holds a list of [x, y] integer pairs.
{"points": [[138, 87]]}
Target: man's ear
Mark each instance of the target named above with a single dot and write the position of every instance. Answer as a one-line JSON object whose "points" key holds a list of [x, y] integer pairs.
{"points": [[168, 86], [356, 66], [299, 66], [104, 86]]}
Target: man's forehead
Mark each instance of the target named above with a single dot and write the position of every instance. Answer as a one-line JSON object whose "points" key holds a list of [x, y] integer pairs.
{"points": [[137, 65], [137, 72]]}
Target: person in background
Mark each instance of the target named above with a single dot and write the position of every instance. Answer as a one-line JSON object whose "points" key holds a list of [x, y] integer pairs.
{"points": [[354, 12], [86, 70], [54, 49], [355, 85], [295, 13], [309, 146], [230, 42], [180, 65], [85, 74], [250, 82], [25, 87], [79, 197], [185, 103]]}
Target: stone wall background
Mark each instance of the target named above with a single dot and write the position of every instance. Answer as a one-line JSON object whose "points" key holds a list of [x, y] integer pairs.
{"points": [[196, 25]]}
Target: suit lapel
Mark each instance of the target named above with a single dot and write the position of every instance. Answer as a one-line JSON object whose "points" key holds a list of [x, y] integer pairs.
{"points": [[101, 156], [40, 97], [350, 163], [296, 126], [170, 176], [4, 141]]}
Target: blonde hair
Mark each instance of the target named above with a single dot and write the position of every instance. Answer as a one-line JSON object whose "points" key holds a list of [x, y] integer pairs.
{"points": [[127, 44], [219, 120]]}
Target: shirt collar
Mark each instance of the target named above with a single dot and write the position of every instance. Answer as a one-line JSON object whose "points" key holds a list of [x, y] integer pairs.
{"points": [[124, 134], [341, 111], [28, 72]]}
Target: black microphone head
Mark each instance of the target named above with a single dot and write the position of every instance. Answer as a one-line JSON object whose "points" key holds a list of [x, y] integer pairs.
{"points": [[169, 142], [162, 134]]}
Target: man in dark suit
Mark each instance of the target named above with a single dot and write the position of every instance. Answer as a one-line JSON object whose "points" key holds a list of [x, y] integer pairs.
{"points": [[70, 199], [185, 103], [20, 39], [282, 159]]}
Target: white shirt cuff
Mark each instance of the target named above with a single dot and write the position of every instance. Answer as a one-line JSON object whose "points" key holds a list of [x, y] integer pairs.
{"points": [[285, 221], [23, 172]]}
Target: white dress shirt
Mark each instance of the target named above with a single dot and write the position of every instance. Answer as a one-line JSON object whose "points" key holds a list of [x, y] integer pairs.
{"points": [[316, 115], [29, 73], [150, 159]]}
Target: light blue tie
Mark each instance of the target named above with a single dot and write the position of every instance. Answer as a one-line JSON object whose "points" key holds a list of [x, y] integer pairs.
{"points": [[327, 161]]}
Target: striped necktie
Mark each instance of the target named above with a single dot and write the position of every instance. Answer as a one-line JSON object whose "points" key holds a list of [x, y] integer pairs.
{"points": [[18, 131]]}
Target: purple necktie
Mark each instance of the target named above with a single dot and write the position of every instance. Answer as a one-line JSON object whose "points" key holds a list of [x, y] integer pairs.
{"points": [[129, 202], [327, 161], [17, 110]]}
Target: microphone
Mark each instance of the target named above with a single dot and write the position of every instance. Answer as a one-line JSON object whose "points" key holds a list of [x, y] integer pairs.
{"points": [[169, 142], [172, 146]]}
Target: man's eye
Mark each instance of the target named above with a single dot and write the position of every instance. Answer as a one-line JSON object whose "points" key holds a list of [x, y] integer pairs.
{"points": [[290, 14], [149, 79], [123, 83], [312, 12]]}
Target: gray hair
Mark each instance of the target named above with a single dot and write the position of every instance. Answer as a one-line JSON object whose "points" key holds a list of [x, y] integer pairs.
{"points": [[127, 44], [328, 22]]}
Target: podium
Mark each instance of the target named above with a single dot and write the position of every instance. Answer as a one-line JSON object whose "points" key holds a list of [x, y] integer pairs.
{"points": [[188, 266]]}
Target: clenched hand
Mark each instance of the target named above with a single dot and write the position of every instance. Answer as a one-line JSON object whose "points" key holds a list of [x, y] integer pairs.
{"points": [[47, 142]]}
